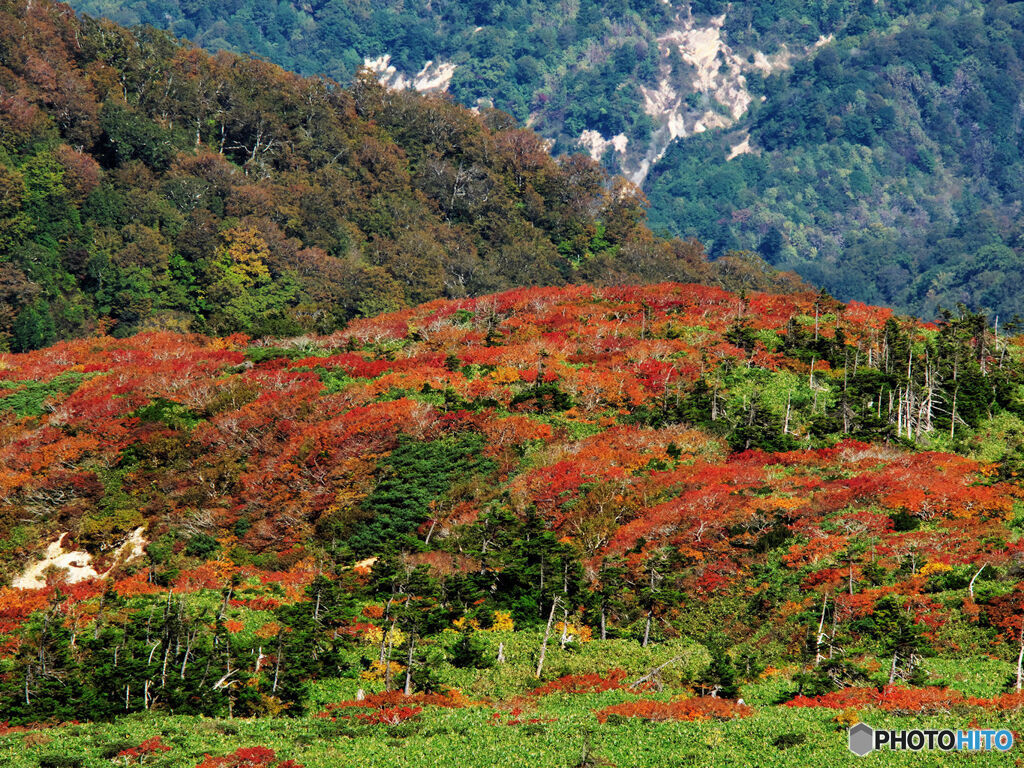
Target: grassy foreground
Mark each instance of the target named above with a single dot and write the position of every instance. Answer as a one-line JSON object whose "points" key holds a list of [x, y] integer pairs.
{"points": [[471, 738]]}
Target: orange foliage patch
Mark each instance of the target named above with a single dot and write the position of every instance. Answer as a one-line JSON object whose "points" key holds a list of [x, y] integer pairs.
{"points": [[394, 703], [248, 757], [907, 701], [592, 683]]}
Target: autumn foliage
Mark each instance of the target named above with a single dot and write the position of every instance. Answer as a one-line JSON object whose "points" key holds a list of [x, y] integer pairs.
{"points": [[393, 707], [147, 749], [666, 447], [907, 701], [592, 683], [281, 232], [248, 757], [697, 708]]}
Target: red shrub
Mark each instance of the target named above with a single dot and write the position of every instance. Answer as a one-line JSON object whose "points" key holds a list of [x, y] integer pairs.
{"points": [[146, 749], [256, 603], [393, 707], [373, 611], [919, 700], [6, 728], [904, 700], [248, 757], [845, 698], [592, 683], [1006, 702], [390, 715]]}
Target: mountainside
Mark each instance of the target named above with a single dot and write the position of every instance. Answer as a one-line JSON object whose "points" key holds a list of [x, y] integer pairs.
{"points": [[620, 78], [874, 147], [146, 184], [390, 502], [888, 167], [346, 426]]}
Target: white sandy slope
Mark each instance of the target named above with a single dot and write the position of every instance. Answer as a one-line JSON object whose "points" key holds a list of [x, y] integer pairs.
{"points": [[78, 564]]}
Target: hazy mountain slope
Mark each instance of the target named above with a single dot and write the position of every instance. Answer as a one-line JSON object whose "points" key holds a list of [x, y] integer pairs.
{"points": [[147, 184]]}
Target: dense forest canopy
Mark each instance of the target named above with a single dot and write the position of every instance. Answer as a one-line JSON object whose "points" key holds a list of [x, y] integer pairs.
{"points": [[885, 152], [573, 65], [890, 166], [146, 184]]}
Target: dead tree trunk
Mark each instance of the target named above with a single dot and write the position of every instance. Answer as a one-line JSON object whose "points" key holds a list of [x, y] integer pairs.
{"points": [[547, 636], [1020, 657], [821, 633], [408, 666]]}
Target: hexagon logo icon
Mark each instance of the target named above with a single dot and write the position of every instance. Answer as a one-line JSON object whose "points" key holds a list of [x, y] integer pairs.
{"points": [[862, 739]]}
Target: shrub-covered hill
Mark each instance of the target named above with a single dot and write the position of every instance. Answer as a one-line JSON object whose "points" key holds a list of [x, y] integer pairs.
{"points": [[752, 483], [145, 184]]}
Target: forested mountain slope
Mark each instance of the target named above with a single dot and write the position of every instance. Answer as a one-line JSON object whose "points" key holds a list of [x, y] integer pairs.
{"points": [[621, 77], [570, 67], [873, 146], [625, 457], [887, 167], [147, 184]]}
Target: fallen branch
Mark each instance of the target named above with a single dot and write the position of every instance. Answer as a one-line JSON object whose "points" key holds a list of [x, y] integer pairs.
{"points": [[655, 674]]}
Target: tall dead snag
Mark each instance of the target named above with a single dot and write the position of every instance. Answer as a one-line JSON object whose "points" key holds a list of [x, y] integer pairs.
{"points": [[547, 636]]}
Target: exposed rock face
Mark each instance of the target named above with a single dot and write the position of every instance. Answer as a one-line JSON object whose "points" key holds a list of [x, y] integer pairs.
{"points": [[716, 75], [434, 77], [78, 564], [596, 145], [718, 71], [741, 148], [710, 93]]}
